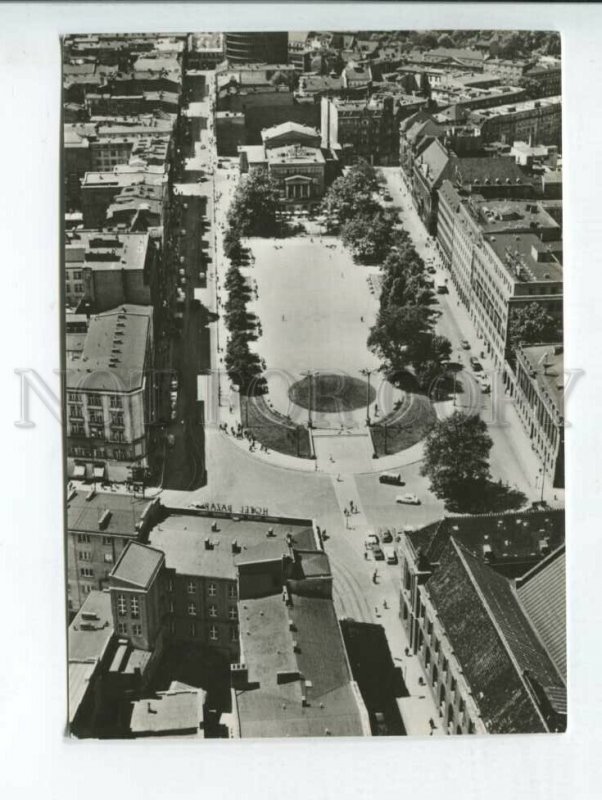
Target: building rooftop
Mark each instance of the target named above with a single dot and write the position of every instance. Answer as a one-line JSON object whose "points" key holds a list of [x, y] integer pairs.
{"points": [[546, 362], [138, 564], [488, 171], [434, 163], [115, 352], [513, 215], [286, 128], [527, 258], [512, 542], [542, 594], [106, 251], [88, 637], [296, 652], [178, 710], [294, 154], [500, 654], [481, 114], [182, 538], [109, 513]]}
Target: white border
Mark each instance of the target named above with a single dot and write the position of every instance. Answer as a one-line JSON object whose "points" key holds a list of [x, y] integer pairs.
{"points": [[36, 760]]}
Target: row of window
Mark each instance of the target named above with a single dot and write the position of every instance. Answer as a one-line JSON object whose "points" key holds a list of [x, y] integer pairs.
{"points": [[122, 628], [212, 610], [211, 589], [85, 555], [213, 631], [94, 399]]}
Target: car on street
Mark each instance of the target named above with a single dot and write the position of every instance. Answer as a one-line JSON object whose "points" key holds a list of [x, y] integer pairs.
{"points": [[372, 541], [387, 537], [484, 384], [378, 554], [407, 499], [476, 364], [431, 270], [442, 289], [390, 554], [465, 344], [393, 478]]}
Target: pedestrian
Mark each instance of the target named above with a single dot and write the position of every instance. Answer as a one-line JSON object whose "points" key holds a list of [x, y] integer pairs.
{"points": [[361, 319], [374, 576], [331, 459], [339, 477], [385, 604], [365, 555], [316, 466]]}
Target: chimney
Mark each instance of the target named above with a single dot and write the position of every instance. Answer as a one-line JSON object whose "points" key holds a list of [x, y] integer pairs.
{"points": [[208, 544]]}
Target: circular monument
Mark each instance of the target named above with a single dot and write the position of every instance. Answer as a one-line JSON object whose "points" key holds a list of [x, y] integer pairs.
{"points": [[331, 393]]}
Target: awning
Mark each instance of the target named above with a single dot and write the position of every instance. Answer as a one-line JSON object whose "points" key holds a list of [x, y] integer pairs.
{"points": [[99, 473], [79, 471]]}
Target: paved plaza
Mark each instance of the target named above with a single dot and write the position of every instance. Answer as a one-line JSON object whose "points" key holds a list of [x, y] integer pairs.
{"points": [[316, 309]]}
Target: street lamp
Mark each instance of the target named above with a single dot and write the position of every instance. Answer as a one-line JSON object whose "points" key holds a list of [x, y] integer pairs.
{"points": [[309, 374], [367, 373]]}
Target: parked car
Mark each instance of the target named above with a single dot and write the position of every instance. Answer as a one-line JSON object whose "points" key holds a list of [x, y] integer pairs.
{"points": [[485, 385], [442, 289], [407, 499], [431, 270], [387, 537], [476, 364], [390, 554], [392, 478], [372, 541], [465, 344], [378, 554]]}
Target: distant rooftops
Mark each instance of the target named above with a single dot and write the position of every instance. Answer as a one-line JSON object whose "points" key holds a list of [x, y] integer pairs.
{"points": [[481, 114]]}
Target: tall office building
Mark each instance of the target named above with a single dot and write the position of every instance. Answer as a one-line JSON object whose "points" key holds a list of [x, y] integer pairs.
{"points": [[257, 48]]}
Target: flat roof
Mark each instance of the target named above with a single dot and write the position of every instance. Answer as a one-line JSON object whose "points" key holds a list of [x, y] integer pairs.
{"points": [[177, 710], [84, 515], [511, 108], [182, 539], [516, 252], [95, 248], [295, 154], [316, 669]]}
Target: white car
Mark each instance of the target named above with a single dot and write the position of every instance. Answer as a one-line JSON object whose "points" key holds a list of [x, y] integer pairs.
{"points": [[372, 541], [407, 499]]}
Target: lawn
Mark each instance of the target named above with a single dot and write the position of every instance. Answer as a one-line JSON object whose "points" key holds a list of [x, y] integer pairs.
{"points": [[331, 393], [405, 426], [273, 429]]}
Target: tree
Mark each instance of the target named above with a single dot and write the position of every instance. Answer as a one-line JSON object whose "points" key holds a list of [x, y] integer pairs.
{"points": [[429, 356], [351, 195], [368, 236], [532, 324], [395, 334], [445, 40], [233, 249], [242, 365], [235, 283], [255, 205], [456, 459]]}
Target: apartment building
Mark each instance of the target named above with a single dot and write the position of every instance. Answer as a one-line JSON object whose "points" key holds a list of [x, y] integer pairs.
{"points": [[100, 525], [111, 398], [479, 644], [366, 129], [537, 121], [500, 253]]}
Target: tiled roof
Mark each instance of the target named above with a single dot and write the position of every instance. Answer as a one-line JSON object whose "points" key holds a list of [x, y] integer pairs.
{"points": [[137, 565], [482, 169], [492, 641], [542, 593]]}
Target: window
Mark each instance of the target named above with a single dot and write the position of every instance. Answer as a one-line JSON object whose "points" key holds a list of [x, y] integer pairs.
{"points": [[136, 630], [96, 418], [170, 585], [74, 397], [212, 590], [94, 400], [192, 609], [213, 611], [232, 592], [75, 411], [86, 589], [86, 572], [213, 633], [193, 630], [106, 540], [117, 419], [134, 608], [122, 627], [96, 433], [121, 606], [233, 613], [108, 558], [83, 538], [84, 555], [234, 633], [77, 429], [191, 587], [115, 401]]}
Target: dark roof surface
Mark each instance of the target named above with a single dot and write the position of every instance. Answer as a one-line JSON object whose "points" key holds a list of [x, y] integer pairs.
{"points": [[492, 640], [137, 564]]}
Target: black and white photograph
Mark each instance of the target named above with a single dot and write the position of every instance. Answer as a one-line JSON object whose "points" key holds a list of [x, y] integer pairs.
{"points": [[313, 396]]}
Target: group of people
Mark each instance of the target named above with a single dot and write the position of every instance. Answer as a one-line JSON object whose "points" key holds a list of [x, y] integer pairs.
{"points": [[240, 433]]}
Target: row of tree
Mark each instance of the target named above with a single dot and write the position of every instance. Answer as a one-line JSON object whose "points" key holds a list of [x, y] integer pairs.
{"points": [[243, 365], [403, 335]]}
